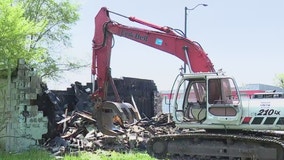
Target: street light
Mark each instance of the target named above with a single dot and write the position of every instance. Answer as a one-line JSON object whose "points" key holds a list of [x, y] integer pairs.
{"points": [[185, 22], [185, 16]]}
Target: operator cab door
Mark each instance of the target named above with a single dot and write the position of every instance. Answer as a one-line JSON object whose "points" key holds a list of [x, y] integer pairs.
{"points": [[223, 105], [190, 105], [195, 100]]}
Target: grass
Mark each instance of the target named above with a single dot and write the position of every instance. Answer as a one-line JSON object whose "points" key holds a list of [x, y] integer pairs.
{"points": [[106, 155], [28, 155], [97, 155]]}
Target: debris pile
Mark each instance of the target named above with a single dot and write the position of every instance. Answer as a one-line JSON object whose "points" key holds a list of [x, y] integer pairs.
{"points": [[79, 133], [72, 127]]}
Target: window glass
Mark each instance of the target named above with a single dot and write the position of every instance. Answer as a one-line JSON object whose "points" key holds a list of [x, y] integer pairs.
{"points": [[222, 91]]}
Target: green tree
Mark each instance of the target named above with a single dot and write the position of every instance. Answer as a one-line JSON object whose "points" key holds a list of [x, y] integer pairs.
{"points": [[58, 16], [14, 30], [279, 78]]}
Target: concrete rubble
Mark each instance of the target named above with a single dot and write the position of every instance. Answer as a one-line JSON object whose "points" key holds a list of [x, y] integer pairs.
{"points": [[79, 132], [74, 128]]}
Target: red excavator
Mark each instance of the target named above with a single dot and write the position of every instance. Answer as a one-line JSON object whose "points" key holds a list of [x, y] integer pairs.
{"points": [[206, 103]]}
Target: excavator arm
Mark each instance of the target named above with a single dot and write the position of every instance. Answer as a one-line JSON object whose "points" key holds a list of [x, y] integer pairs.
{"points": [[162, 38]]}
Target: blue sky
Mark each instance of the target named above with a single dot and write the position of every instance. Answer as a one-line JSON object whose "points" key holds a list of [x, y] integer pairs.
{"points": [[244, 38]]}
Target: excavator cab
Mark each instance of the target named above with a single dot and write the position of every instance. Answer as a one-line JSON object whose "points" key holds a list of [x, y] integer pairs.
{"points": [[207, 99]]}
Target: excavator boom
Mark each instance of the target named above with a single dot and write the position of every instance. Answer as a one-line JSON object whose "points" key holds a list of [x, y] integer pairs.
{"points": [[165, 39], [162, 38]]}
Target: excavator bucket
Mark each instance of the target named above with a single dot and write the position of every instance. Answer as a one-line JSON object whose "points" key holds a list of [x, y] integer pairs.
{"points": [[113, 117]]}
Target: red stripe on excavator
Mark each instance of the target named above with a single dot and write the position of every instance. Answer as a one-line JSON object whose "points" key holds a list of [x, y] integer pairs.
{"points": [[246, 120]]}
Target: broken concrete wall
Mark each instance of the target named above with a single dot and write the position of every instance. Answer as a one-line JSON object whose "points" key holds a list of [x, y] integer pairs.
{"points": [[144, 92], [22, 124]]}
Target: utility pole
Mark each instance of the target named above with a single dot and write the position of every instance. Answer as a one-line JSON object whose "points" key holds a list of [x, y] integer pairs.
{"points": [[185, 22]]}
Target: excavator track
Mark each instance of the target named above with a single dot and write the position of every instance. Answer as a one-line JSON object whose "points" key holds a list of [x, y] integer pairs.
{"points": [[195, 146]]}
